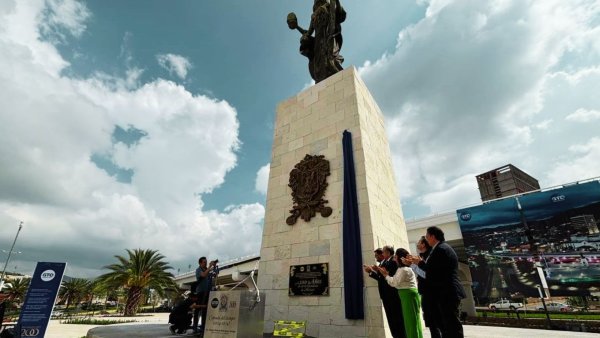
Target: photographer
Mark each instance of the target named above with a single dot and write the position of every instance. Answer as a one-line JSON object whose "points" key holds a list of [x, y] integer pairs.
{"points": [[202, 289]]}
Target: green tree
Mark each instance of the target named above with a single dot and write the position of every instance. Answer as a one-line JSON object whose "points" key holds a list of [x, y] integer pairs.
{"points": [[16, 289], [140, 270], [104, 291], [74, 290]]}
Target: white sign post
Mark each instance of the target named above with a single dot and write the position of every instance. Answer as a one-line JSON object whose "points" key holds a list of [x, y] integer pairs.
{"points": [[235, 313], [223, 314]]}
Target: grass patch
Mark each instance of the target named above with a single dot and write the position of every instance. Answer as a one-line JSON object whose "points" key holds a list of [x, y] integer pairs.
{"points": [[91, 321]]}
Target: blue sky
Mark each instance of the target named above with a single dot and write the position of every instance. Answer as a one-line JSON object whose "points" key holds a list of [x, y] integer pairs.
{"points": [[149, 123], [240, 51]]}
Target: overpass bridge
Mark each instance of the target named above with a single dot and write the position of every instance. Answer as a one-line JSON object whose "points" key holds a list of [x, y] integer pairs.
{"points": [[230, 273]]}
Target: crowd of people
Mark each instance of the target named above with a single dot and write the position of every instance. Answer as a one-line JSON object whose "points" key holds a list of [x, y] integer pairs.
{"points": [[423, 287]]}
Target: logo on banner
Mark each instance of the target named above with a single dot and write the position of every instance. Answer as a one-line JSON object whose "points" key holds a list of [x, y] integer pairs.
{"points": [[224, 303], [214, 303], [465, 216], [30, 332], [558, 198], [48, 275]]}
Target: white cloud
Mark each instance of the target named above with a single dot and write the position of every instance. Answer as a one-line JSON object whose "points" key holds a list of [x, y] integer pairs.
{"points": [[51, 125], [475, 85], [445, 200], [126, 52], [174, 64], [583, 163], [544, 125], [63, 15], [584, 115], [262, 179]]}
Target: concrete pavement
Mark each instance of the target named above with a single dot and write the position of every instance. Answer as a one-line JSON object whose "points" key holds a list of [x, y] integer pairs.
{"points": [[134, 331], [162, 331], [155, 326], [58, 330]]}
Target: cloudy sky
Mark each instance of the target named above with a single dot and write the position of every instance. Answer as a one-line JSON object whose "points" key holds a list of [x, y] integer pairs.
{"points": [[149, 123]]}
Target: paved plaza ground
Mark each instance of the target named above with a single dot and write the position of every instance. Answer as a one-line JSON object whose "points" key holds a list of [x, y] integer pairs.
{"points": [[58, 330], [155, 326], [161, 331]]}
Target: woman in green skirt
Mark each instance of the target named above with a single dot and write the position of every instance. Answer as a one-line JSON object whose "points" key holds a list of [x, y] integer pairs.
{"points": [[406, 282]]}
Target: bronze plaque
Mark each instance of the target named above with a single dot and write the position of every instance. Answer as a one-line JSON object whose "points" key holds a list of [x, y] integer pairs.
{"points": [[309, 280], [308, 181]]}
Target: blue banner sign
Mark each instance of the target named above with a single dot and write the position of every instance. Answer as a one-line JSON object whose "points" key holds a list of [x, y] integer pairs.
{"points": [[40, 298], [557, 230]]}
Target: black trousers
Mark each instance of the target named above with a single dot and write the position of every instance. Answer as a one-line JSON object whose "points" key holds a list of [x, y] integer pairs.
{"points": [[203, 300], [180, 321], [446, 317], [393, 311], [428, 307], [2, 309]]}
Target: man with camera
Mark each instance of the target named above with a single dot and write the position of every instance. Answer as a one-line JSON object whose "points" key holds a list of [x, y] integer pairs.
{"points": [[180, 318], [203, 288]]}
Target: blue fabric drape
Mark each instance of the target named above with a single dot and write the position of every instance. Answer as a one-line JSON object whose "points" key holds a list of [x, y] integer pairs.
{"points": [[352, 251]]}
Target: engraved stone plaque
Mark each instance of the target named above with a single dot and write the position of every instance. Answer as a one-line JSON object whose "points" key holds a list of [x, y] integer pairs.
{"points": [[309, 280]]}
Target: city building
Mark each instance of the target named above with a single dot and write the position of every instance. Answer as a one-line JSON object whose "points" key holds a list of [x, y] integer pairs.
{"points": [[505, 181]]}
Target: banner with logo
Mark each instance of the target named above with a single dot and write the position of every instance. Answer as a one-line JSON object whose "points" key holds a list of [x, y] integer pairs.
{"points": [[556, 230], [223, 314], [40, 298]]}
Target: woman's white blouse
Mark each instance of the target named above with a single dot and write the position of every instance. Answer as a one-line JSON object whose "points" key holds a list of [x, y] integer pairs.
{"points": [[404, 278]]}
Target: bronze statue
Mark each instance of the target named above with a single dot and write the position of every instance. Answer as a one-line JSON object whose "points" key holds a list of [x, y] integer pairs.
{"points": [[322, 50]]}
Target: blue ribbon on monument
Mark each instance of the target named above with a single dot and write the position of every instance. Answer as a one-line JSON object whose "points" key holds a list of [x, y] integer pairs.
{"points": [[352, 249]]}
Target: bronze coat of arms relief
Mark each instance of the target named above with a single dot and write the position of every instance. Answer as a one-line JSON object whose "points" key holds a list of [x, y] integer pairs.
{"points": [[308, 181]]}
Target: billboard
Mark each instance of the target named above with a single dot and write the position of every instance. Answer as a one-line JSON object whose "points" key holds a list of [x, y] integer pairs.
{"points": [[557, 230], [40, 298]]}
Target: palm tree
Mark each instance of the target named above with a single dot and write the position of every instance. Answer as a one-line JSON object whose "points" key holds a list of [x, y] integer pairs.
{"points": [[74, 290], [142, 269], [17, 289], [101, 290]]}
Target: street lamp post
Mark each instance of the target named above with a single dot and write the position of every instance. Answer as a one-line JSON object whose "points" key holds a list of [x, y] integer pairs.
{"points": [[8, 258], [530, 239]]}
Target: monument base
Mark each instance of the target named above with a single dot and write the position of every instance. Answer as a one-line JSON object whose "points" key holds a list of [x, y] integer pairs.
{"points": [[312, 123]]}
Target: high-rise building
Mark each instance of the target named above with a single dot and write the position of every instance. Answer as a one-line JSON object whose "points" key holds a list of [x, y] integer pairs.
{"points": [[505, 181]]}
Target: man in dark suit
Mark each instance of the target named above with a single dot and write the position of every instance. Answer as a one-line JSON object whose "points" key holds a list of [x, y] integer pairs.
{"points": [[388, 294], [427, 301], [444, 288]]}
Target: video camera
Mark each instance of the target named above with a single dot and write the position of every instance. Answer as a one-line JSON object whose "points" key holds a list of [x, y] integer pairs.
{"points": [[214, 267], [213, 273]]}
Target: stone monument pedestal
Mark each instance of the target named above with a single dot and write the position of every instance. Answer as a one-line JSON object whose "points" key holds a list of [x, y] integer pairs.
{"points": [[312, 122]]}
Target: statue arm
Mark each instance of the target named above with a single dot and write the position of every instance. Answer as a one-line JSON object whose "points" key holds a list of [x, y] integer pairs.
{"points": [[292, 22], [301, 30]]}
